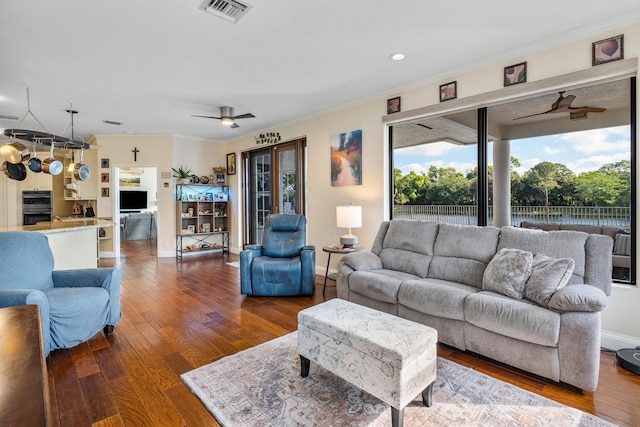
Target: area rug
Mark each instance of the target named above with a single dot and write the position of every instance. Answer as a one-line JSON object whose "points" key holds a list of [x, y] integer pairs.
{"points": [[262, 386]]}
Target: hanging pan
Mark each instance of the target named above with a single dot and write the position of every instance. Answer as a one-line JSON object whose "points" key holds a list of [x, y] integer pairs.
{"points": [[51, 165], [81, 172], [34, 163], [16, 171], [15, 152]]}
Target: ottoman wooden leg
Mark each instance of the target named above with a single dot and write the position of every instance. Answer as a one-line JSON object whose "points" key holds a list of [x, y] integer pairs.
{"points": [[397, 417], [426, 395], [304, 366]]}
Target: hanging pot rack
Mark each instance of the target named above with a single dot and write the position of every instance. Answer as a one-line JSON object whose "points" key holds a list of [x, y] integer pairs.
{"points": [[45, 138]]}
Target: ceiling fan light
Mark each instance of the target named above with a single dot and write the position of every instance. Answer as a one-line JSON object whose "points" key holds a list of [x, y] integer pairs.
{"points": [[226, 121]]}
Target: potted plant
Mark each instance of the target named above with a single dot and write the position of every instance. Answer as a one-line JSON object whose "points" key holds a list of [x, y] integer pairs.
{"points": [[183, 175]]}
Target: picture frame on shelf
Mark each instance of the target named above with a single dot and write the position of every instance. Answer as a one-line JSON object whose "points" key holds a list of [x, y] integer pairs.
{"points": [[191, 228], [231, 164], [448, 91], [607, 50], [206, 227], [220, 197], [514, 74], [208, 197]]}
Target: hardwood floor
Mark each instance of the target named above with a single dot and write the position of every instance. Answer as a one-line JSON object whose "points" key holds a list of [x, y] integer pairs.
{"points": [[179, 315]]}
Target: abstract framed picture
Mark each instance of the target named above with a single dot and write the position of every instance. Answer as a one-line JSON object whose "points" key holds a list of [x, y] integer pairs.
{"points": [[514, 74], [105, 191], [393, 105], [607, 50], [346, 158], [448, 91]]}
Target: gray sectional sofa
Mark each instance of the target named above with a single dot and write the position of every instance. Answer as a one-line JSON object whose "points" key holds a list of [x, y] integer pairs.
{"points": [[528, 298]]}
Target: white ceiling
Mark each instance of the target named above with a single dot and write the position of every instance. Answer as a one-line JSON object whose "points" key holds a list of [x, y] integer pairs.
{"points": [[151, 65]]}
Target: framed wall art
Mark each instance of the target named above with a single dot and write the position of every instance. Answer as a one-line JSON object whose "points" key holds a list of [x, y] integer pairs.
{"points": [[346, 158], [607, 50], [448, 91], [514, 74], [105, 191], [393, 105], [104, 163], [104, 177], [231, 164]]}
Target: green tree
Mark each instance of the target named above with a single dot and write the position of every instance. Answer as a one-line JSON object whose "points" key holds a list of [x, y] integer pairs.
{"points": [[447, 187], [549, 182], [596, 188]]}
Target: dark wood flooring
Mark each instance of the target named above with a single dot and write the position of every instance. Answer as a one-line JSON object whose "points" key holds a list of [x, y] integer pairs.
{"points": [[179, 315]]}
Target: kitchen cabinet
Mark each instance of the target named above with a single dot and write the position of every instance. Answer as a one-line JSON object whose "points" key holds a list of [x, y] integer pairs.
{"points": [[39, 181], [84, 190], [202, 219]]}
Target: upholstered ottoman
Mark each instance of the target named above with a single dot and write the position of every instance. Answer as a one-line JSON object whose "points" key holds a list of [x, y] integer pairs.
{"points": [[392, 358]]}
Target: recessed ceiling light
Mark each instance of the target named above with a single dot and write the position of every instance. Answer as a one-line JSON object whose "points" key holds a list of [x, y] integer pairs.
{"points": [[398, 56]]}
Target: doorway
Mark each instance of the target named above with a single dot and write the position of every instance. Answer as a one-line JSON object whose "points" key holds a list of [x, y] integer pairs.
{"points": [[135, 206], [274, 182]]}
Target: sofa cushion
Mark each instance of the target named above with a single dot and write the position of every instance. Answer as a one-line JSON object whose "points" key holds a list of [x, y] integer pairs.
{"points": [[578, 298], [591, 229], [435, 297], [555, 244], [461, 253], [519, 319], [380, 285], [508, 272], [408, 246], [547, 276]]}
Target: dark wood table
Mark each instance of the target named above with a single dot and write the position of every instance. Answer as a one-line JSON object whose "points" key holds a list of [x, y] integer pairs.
{"points": [[24, 393]]}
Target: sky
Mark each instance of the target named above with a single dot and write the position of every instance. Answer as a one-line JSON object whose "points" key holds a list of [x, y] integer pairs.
{"points": [[579, 151]]}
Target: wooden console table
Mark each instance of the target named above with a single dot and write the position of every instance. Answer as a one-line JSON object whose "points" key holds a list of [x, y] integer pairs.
{"points": [[24, 395]]}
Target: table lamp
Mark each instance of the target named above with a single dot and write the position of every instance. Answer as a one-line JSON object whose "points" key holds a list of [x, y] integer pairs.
{"points": [[349, 217]]}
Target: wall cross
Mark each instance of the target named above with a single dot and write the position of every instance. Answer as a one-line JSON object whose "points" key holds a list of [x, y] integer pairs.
{"points": [[135, 152]]}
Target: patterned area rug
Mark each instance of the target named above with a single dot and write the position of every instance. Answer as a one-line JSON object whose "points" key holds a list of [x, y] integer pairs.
{"points": [[262, 386]]}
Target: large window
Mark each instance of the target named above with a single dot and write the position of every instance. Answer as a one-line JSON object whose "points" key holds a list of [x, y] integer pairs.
{"points": [[558, 169]]}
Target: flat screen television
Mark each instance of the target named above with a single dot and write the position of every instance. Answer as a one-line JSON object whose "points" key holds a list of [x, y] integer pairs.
{"points": [[133, 200]]}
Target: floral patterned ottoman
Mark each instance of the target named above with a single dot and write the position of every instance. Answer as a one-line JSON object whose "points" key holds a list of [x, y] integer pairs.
{"points": [[389, 357]]}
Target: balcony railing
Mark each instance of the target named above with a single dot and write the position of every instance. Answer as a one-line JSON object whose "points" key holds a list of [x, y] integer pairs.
{"points": [[467, 215]]}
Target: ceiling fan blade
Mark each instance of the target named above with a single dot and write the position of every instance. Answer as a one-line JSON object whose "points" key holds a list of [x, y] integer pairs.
{"points": [[586, 110], [537, 114], [206, 117], [244, 116], [234, 125], [563, 103]]}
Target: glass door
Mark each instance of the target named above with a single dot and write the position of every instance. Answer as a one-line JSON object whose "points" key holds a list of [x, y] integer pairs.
{"points": [[273, 183]]}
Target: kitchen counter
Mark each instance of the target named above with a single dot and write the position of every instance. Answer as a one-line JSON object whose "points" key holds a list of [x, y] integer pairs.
{"points": [[74, 244]]}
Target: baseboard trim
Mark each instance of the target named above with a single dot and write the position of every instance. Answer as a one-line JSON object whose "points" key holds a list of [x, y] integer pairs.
{"points": [[613, 341]]}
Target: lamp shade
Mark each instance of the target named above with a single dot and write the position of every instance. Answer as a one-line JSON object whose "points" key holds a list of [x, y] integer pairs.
{"points": [[349, 216]]}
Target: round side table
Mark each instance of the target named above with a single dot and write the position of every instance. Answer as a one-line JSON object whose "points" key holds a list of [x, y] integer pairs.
{"points": [[335, 249]]}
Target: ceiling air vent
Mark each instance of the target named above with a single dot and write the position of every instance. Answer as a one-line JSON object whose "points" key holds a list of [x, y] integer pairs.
{"points": [[229, 10]]}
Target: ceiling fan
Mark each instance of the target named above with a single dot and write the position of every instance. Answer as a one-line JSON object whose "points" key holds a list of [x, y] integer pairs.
{"points": [[563, 105], [227, 117]]}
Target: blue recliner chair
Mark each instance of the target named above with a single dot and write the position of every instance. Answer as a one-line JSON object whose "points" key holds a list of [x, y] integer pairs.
{"points": [[74, 304], [283, 265]]}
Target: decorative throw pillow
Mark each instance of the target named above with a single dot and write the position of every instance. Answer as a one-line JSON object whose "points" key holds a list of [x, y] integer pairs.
{"points": [[547, 276], [508, 272]]}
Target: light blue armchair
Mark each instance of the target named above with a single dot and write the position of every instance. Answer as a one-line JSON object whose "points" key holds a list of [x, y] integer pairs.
{"points": [[283, 265], [74, 304]]}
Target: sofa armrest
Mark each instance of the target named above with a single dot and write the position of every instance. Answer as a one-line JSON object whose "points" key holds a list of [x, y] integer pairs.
{"points": [[585, 298], [362, 260], [308, 261], [13, 297], [246, 259], [107, 278]]}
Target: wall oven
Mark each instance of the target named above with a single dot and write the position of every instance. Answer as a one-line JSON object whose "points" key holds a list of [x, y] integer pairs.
{"points": [[37, 207]]}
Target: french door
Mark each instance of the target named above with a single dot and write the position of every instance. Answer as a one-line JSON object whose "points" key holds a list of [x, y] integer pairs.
{"points": [[274, 182]]}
